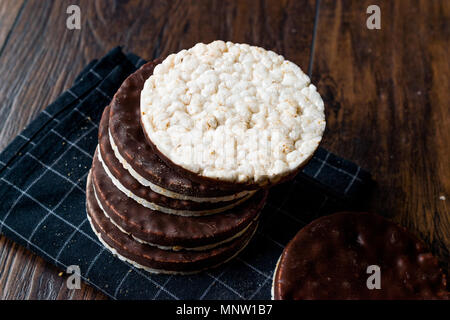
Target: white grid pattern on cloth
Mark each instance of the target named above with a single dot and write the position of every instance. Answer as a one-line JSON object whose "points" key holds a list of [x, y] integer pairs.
{"points": [[27, 139], [252, 267], [79, 111], [259, 288], [69, 238], [63, 198], [49, 168], [353, 176], [103, 93], [94, 261], [143, 274], [210, 286], [95, 74], [50, 116], [160, 288], [53, 259], [24, 192], [77, 230], [321, 165], [53, 118], [120, 284], [217, 279], [87, 117], [73, 144]]}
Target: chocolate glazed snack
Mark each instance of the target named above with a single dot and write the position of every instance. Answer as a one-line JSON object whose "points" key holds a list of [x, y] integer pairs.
{"points": [[166, 229], [152, 258], [171, 230], [232, 114], [151, 211], [328, 259]]}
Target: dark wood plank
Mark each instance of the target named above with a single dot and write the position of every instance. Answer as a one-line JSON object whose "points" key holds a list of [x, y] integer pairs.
{"points": [[9, 12], [387, 94], [42, 57]]}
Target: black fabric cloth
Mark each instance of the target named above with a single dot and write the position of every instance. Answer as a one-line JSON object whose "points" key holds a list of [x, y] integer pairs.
{"points": [[43, 175]]}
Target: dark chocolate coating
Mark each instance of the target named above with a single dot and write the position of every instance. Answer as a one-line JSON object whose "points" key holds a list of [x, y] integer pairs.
{"points": [[167, 229], [130, 183], [126, 130], [153, 257], [328, 259]]}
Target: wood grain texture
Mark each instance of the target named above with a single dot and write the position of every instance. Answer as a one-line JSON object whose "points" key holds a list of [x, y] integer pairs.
{"points": [[386, 94], [9, 13], [41, 57]]}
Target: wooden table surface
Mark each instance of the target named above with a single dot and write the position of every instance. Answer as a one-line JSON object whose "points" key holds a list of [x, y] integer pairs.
{"points": [[386, 91]]}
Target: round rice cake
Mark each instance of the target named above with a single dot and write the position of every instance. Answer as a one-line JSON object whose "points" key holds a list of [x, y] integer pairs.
{"points": [[330, 259], [137, 156], [170, 231], [232, 113], [126, 183], [153, 259]]}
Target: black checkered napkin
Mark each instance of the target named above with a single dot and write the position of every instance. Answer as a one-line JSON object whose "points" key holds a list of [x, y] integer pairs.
{"points": [[42, 190]]}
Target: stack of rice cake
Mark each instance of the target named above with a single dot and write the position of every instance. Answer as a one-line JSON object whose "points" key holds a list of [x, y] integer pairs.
{"points": [[152, 200]]}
